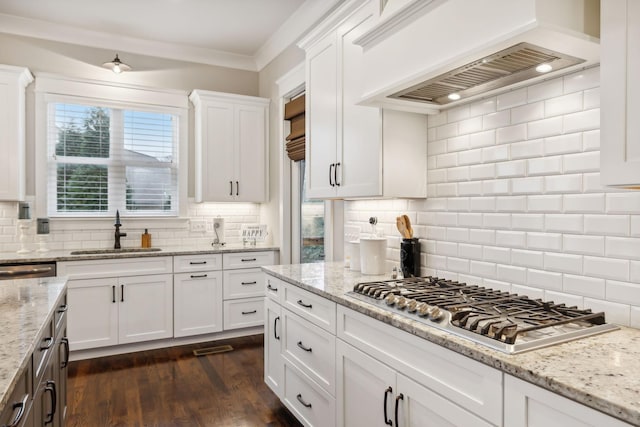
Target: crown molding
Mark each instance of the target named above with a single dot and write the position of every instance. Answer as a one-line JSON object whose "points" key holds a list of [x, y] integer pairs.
{"points": [[62, 33]]}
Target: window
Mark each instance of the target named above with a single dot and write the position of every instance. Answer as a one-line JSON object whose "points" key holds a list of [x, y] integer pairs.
{"points": [[103, 159], [103, 147]]}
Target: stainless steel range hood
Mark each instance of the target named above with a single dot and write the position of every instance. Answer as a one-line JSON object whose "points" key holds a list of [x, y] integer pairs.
{"points": [[424, 54]]}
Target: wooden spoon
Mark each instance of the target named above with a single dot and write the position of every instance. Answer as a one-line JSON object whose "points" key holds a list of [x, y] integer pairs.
{"points": [[407, 222], [402, 226]]}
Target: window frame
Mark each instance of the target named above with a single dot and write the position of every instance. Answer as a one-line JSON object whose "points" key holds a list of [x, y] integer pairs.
{"points": [[54, 89]]}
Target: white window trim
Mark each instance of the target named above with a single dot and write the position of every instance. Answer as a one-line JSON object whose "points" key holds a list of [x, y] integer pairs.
{"points": [[49, 87]]}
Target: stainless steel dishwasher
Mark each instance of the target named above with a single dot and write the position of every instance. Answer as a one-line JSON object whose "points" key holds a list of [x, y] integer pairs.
{"points": [[27, 270]]}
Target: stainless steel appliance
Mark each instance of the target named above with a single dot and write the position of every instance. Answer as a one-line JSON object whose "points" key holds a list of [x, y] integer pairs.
{"points": [[28, 270], [504, 321]]}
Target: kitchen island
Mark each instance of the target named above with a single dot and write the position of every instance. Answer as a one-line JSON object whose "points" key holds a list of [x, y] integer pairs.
{"points": [[600, 372], [27, 307]]}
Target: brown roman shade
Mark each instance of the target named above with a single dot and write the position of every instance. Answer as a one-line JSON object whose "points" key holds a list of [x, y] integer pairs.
{"points": [[294, 112]]}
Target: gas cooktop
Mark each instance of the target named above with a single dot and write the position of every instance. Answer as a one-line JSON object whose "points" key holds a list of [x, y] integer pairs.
{"points": [[504, 321]]}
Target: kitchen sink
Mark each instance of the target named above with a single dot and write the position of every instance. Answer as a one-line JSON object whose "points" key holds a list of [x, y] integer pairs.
{"points": [[113, 251]]}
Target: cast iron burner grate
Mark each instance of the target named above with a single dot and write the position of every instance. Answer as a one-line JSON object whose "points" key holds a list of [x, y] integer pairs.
{"points": [[508, 322]]}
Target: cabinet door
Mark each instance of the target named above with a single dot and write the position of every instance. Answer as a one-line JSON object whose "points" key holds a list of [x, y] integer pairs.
{"points": [[359, 147], [526, 405], [321, 118], [620, 64], [93, 313], [216, 162], [146, 308], [250, 154], [365, 389], [273, 363], [62, 361], [197, 303]]}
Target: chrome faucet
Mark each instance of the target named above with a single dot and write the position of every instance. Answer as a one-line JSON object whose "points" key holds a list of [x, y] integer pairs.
{"points": [[118, 234]]}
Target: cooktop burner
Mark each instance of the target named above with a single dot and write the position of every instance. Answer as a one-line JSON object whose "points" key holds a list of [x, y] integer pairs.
{"points": [[507, 322]]}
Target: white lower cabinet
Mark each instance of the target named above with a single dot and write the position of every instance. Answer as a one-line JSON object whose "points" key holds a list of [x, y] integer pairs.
{"points": [[527, 405], [243, 313], [311, 405], [273, 362]]}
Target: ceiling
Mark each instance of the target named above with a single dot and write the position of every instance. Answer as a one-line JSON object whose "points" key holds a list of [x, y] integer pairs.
{"points": [[245, 34]]}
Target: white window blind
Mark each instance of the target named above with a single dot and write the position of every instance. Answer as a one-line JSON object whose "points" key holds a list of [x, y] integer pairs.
{"points": [[102, 159]]}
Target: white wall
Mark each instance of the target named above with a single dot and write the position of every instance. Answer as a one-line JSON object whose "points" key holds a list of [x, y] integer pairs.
{"points": [[515, 201]]}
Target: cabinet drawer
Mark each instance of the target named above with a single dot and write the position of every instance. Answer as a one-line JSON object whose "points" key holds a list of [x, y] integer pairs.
{"points": [[247, 259], [92, 269], [470, 384], [43, 350], [274, 288], [311, 349], [309, 403], [314, 308], [204, 262], [19, 401], [243, 313], [243, 283]]}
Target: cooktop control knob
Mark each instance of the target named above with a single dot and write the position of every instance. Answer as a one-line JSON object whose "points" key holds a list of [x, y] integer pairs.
{"points": [[435, 313], [423, 309], [390, 299]]}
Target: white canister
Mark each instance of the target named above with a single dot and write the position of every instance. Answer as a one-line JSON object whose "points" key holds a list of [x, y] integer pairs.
{"points": [[353, 249], [373, 254]]}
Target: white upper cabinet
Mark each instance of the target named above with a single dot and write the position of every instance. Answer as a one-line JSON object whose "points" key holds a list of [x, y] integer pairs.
{"points": [[620, 93], [231, 147], [13, 81], [354, 151]]}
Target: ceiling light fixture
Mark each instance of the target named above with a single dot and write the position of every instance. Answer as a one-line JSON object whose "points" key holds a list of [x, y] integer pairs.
{"points": [[454, 96], [116, 65], [544, 68]]}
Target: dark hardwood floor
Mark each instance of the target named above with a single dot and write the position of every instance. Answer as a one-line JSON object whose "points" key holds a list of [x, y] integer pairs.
{"points": [[172, 387]]}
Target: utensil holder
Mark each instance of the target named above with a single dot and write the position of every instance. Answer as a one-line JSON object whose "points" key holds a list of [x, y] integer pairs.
{"points": [[410, 257]]}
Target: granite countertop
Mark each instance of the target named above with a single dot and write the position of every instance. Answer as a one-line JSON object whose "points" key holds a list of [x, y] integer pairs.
{"points": [[65, 255], [601, 372], [25, 307]]}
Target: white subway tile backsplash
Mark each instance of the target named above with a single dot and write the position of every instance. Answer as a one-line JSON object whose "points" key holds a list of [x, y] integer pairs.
{"points": [[511, 134], [435, 176], [563, 104], [566, 263], [496, 187], [635, 225], [513, 168], [482, 204], [544, 128], [544, 279], [582, 121], [495, 154], [457, 204], [588, 245], [550, 203], [591, 140], [470, 125], [591, 183], [563, 298], [623, 202], [526, 258], [623, 247], [545, 90], [614, 312], [447, 160], [571, 143], [544, 166], [446, 218], [564, 223], [483, 269], [436, 233], [436, 261], [533, 185], [527, 113], [527, 149], [635, 271], [563, 183], [447, 131], [511, 274], [496, 254], [482, 139], [496, 120], [470, 219], [455, 234], [586, 203], [513, 239], [544, 241], [585, 286], [592, 98], [512, 99], [459, 265], [635, 317], [437, 147], [457, 114], [469, 251], [607, 224], [582, 80], [482, 171], [484, 106], [511, 203], [482, 237], [581, 162], [458, 143], [473, 188], [624, 292], [446, 189], [527, 221], [457, 174], [470, 157], [497, 220], [435, 120], [608, 268]]}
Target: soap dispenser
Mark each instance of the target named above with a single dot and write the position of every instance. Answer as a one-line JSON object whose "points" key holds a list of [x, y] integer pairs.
{"points": [[146, 239]]}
